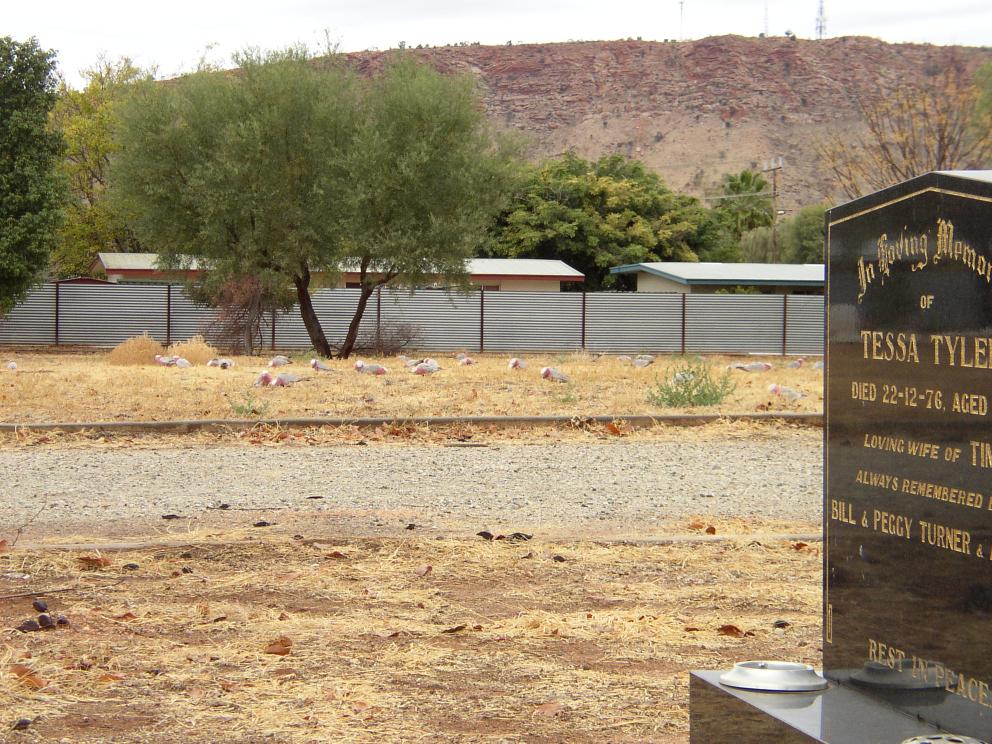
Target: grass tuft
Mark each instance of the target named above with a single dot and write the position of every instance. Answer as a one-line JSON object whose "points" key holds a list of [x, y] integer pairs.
{"points": [[136, 350], [691, 384], [195, 350]]}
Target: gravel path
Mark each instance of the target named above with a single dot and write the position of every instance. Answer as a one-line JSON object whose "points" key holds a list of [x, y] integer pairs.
{"points": [[569, 487]]}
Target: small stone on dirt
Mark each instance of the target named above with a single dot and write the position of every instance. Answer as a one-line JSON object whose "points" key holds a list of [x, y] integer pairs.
{"points": [[22, 724], [40, 605], [29, 626], [130, 566], [45, 621]]}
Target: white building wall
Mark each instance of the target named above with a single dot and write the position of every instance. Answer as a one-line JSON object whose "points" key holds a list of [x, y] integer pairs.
{"points": [[653, 283]]}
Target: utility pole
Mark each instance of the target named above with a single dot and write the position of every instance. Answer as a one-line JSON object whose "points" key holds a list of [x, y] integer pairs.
{"points": [[681, 18], [821, 22], [766, 19], [773, 166]]}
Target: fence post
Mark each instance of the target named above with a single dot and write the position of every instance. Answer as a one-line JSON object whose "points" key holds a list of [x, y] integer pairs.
{"points": [[378, 318], [482, 319], [273, 329], [785, 323], [583, 320], [168, 314], [683, 321], [57, 285]]}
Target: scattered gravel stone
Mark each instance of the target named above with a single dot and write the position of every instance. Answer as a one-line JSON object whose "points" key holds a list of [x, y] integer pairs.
{"points": [[611, 485]]}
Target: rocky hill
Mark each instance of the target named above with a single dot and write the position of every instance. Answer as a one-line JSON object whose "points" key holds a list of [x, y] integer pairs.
{"points": [[692, 110]]}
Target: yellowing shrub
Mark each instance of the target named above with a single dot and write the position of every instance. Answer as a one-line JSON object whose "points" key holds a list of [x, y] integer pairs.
{"points": [[195, 350], [136, 350]]}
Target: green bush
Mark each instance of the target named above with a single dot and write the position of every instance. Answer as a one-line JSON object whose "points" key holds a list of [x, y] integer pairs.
{"points": [[690, 384]]}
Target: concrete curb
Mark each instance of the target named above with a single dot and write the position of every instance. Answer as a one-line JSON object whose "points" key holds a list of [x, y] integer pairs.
{"points": [[113, 547], [636, 420]]}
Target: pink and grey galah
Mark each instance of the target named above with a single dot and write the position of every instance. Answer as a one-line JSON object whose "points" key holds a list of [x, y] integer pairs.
{"points": [[751, 366], [166, 361], [222, 363], [464, 360], [279, 361], [550, 373], [285, 379], [516, 363], [426, 367], [785, 392], [319, 365], [370, 369], [795, 364]]}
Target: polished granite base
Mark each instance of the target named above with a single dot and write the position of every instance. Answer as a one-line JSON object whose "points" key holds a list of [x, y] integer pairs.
{"points": [[837, 715]]}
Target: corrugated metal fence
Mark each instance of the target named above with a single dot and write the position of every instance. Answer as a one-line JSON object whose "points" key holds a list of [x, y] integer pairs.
{"points": [[102, 315]]}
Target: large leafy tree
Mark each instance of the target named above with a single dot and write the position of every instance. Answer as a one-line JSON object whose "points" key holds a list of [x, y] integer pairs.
{"points": [[31, 190], [594, 215], [798, 239], [292, 165], [244, 172], [84, 118], [943, 124], [426, 178]]}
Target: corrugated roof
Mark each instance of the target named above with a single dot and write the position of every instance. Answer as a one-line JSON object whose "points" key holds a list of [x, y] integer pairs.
{"points": [[132, 261], [537, 267], [686, 272]]}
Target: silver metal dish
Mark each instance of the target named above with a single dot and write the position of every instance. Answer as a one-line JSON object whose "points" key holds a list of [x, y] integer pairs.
{"points": [[773, 676]]}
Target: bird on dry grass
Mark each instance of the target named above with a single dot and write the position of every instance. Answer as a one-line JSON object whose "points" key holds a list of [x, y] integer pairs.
{"points": [[555, 375], [644, 360], [319, 365], [279, 361], [751, 367], [12, 366], [818, 364], [464, 360], [166, 361], [516, 363], [222, 363], [785, 392], [426, 367], [795, 363], [370, 369], [183, 363]]}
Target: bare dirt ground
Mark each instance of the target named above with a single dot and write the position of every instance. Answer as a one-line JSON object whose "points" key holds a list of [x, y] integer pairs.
{"points": [[314, 585], [48, 388], [315, 638]]}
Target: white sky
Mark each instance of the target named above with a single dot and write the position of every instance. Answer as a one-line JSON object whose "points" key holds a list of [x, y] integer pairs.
{"points": [[174, 35]]}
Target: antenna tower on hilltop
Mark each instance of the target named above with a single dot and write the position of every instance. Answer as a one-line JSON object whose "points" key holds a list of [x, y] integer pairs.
{"points": [[821, 23], [766, 18], [681, 18]]}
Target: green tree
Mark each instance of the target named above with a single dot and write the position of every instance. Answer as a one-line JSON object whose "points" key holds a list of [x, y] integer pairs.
{"points": [[426, 178], [84, 119], [744, 202], [292, 165], [31, 190], [798, 239], [594, 215], [805, 235]]}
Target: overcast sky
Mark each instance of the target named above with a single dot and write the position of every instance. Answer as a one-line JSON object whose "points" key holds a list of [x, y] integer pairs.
{"points": [[174, 35]]}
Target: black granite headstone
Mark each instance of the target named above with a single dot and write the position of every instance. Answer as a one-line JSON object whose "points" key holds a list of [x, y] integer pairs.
{"points": [[908, 472], [908, 478]]}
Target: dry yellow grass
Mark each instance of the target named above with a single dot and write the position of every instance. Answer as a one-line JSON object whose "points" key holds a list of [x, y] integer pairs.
{"points": [[53, 388], [135, 350], [195, 350], [495, 640]]}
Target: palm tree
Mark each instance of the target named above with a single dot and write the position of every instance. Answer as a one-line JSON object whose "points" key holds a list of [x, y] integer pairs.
{"points": [[746, 202]]}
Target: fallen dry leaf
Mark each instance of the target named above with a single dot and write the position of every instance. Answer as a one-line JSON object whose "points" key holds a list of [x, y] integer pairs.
{"points": [[336, 554], [93, 561], [4, 546], [280, 646], [733, 631], [108, 677], [691, 629], [28, 676], [711, 530], [425, 569], [696, 525], [614, 429], [550, 710], [799, 545], [456, 629], [125, 616]]}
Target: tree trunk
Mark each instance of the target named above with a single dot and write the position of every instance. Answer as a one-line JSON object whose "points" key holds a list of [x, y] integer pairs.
{"points": [[356, 321], [309, 315]]}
